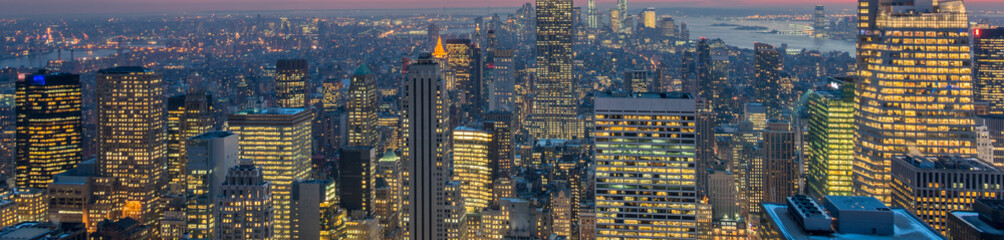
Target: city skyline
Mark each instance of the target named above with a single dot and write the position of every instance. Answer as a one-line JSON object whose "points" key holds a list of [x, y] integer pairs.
{"points": [[50, 7]]}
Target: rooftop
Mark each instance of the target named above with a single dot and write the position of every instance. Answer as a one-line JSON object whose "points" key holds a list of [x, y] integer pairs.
{"points": [[664, 95], [363, 69], [273, 111], [856, 203], [906, 226], [973, 219], [947, 163], [213, 134]]}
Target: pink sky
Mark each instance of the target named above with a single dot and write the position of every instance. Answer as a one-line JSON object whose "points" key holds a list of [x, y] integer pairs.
{"points": [[21, 7]]}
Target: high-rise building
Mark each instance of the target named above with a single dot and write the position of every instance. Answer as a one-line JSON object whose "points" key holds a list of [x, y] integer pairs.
{"points": [[767, 79], [291, 83], [49, 133], [8, 124], [555, 102], [426, 150], [829, 168], [314, 205], [134, 151], [463, 75], [472, 167], [277, 140], [388, 195], [756, 113], [632, 179], [931, 187], [501, 89], [500, 153], [988, 68], [782, 161], [647, 18], [819, 22], [639, 81], [902, 107], [994, 137], [209, 156], [668, 27], [615, 20], [356, 169], [622, 8], [722, 193], [592, 17], [244, 206], [363, 108], [79, 195]]}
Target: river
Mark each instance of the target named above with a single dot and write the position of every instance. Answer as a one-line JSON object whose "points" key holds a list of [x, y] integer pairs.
{"points": [[701, 27], [40, 60]]}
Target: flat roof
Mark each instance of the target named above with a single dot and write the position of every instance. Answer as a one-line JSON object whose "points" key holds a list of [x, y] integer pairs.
{"points": [[947, 163], [906, 227], [973, 219], [273, 111], [858, 203]]}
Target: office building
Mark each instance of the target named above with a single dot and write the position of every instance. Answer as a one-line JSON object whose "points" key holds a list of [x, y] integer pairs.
{"points": [[244, 206], [668, 27], [647, 18], [767, 78], [756, 113], [314, 203], [356, 169], [49, 133], [291, 83], [554, 102], [133, 152], [472, 167], [209, 156], [829, 168], [362, 107], [426, 149], [80, 195], [931, 187], [782, 159], [501, 90], [44, 230], [592, 17], [853, 217], [626, 182], [277, 140], [988, 68], [500, 153], [992, 138], [819, 22], [640, 81], [902, 107], [983, 222], [8, 125]]}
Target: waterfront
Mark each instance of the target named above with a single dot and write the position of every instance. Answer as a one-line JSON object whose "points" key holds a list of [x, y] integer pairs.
{"points": [[701, 27], [40, 60]]}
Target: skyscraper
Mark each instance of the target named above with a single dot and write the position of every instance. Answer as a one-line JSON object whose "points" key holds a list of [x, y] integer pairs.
{"points": [[592, 17], [647, 18], [622, 8], [500, 152], [463, 70], [49, 134], [363, 108], [209, 156], [642, 192], [291, 83], [356, 168], [781, 161], [988, 50], [830, 144], [426, 149], [819, 22], [900, 106], [8, 125], [244, 206], [134, 151], [277, 140], [555, 102], [472, 167], [767, 79], [501, 89]]}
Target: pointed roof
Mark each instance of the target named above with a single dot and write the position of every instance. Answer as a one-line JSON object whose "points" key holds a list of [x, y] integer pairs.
{"points": [[363, 69], [440, 52]]}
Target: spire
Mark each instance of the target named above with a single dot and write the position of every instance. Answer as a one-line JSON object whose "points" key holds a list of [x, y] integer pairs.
{"points": [[440, 52]]}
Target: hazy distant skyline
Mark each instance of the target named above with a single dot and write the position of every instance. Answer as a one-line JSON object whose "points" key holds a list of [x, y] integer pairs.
{"points": [[50, 7]]}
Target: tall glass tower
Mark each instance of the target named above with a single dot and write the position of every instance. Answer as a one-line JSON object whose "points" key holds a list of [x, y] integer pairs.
{"points": [[49, 135], [915, 92], [555, 102]]}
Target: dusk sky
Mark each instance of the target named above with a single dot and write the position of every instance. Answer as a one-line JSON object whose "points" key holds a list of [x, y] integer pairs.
{"points": [[47, 7]]}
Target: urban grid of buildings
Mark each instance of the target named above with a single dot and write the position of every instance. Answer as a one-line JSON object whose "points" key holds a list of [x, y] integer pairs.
{"points": [[547, 123]]}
